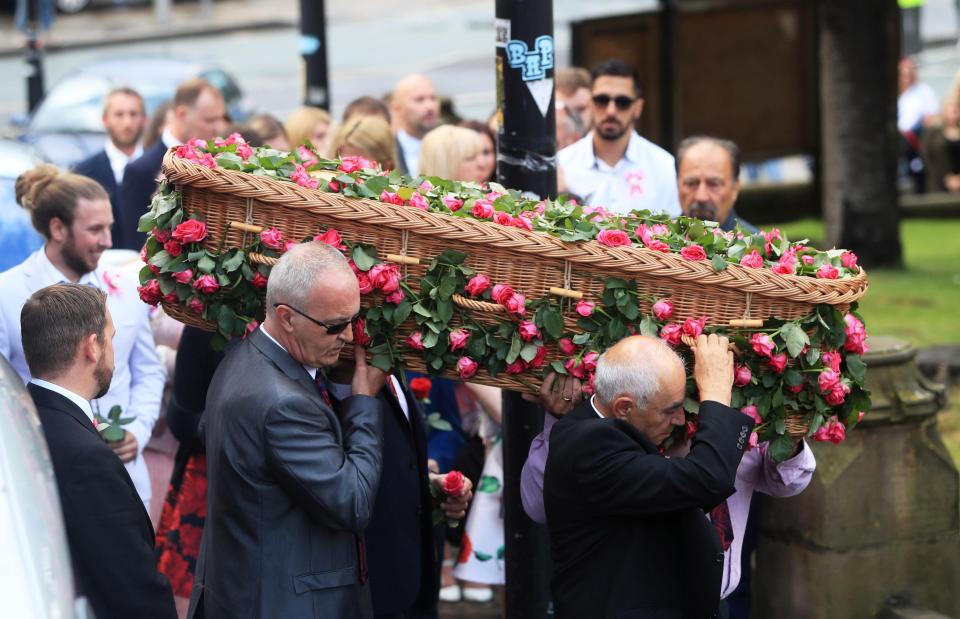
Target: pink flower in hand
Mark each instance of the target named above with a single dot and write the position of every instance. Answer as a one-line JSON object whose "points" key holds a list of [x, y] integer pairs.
{"points": [[575, 368], [590, 361], [753, 442], [693, 327]]}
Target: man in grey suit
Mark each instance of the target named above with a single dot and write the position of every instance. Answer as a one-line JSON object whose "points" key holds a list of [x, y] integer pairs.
{"points": [[291, 482]]}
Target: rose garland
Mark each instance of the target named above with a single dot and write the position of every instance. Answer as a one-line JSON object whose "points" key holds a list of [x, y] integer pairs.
{"points": [[810, 367]]}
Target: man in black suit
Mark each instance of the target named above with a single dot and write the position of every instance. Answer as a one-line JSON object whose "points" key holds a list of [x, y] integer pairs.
{"points": [[628, 532], [291, 482], [124, 119], [401, 555], [67, 340], [198, 112]]}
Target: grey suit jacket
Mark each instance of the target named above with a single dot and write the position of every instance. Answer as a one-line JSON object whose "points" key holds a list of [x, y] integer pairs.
{"points": [[291, 487]]}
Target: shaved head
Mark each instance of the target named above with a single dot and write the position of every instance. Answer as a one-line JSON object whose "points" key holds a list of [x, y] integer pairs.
{"points": [[414, 105]]}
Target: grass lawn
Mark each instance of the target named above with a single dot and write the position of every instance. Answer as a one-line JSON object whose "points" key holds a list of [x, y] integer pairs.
{"points": [[919, 303]]}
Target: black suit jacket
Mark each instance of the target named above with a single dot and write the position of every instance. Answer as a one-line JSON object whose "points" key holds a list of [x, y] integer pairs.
{"points": [[97, 167], [133, 195], [628, 532], [290, 489], [400, 550], [108, 530]]}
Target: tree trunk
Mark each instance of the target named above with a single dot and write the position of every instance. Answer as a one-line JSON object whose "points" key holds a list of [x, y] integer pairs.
{"points": [[858, 94]]}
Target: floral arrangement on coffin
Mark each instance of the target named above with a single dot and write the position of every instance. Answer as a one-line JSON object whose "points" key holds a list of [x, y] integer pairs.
{"points": [[810, 368]]}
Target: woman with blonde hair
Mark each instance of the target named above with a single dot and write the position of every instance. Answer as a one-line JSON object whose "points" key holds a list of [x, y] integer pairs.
{"points": [[452, 153], [368, 137], [308, 124]]}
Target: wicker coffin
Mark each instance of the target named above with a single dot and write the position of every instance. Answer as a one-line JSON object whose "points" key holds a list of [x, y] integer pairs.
{"points": [[237, 205]]}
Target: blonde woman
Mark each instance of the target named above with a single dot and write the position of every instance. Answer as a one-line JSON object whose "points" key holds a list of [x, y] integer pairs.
{"points": [[452, 153], [366, 136], [308, 124]]}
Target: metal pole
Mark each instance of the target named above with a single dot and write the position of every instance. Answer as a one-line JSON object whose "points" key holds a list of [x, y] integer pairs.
{"points": [[313, 48], [526, 160], [34, 56]]}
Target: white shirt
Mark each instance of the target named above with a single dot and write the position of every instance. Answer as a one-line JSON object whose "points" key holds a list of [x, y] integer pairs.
{"points": [[169, 139], [916, 102], [644, 179], [118, 159], [342, 392], [411, 151], [73, 397], [138, 376]]}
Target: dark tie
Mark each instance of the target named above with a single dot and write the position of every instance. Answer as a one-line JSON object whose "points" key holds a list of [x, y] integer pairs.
{"points": [[720, 516], [321, 384]]}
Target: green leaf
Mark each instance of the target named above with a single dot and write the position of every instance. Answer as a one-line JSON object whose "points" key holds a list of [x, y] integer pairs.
{"points": [[482, 556], [719, 262], [781, 447], [234, 261], [648, 326], [364, 257], [451, 257], [615, 283], [857, 368], [515, 346], [448, 285], [376, 185], [488, 483], [422, 311], [581, 338], [381, 362], [206, 264], [401, 313], [813, 355], [792, 377], [430, 339], [795, 338], [557, 366], [691, 406], [225, 319], [529, 351], [552, 322]]}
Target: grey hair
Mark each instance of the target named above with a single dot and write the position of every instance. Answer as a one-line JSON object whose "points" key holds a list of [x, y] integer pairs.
{"points": [[728, 145], [638, 376], [298, 270]]}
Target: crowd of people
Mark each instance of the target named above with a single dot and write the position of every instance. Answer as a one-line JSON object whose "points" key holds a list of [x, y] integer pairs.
{"points": [[305, 485]]}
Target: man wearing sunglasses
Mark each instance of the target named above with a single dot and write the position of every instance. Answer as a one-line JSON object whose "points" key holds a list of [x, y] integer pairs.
{"points": [[291, 481], [612, 166]]}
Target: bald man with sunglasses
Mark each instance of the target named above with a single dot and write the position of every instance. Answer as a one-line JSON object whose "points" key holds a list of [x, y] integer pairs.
{"points": [[292, 480], [612, 166]]}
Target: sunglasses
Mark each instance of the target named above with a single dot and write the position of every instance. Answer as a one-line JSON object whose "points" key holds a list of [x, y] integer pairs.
{"points": [[622, 102], [333, 329]]}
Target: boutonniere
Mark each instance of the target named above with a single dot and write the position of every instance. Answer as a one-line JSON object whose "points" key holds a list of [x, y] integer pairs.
{"points": [[111, 280], [110, 427]]}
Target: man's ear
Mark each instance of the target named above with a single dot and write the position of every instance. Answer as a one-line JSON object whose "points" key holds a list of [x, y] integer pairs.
{"points": [[59, 231], [91, 348], [639, 104], [622, 407], [284, 318]]}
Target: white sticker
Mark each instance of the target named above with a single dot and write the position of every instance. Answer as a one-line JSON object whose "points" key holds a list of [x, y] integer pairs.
{"points": [[502, 29], [542, 92]]}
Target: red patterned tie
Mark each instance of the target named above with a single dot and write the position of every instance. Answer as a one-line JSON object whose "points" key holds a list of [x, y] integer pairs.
{"points": [[720, 516], [321, 384]]}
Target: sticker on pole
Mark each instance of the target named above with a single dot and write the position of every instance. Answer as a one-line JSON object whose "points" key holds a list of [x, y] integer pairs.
{"points": [[542, 92], [502, 29], [533, 63]]}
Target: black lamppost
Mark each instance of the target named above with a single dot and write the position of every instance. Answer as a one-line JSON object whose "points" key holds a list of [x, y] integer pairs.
{"points": [[313, 48]]}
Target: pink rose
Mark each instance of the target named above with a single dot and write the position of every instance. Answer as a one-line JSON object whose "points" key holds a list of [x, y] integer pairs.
{"points": [[333, 186], [590, 361], [838, 394], [187, 152], [693, 252], [585, 308], [517, 367], [251, 327], [331, 237], [183, 277], [415, 341], [663, 310], [762, 344], [523, 222], [197, 143], [575, 368], [418, 201], [385, 277], [395, 297], [832, 431], [849, 260], [742, 375], [753, 442], [539, 358], [693, 327], [477, 285], [671, 333], [828, 271], [301, 177], [528, 331], [190, 231], [589, 388], [391, 197], [787, 264], [493, 195], [244, 152], [150, 292], [613, 238], [162, 236], [360, 335], [659, 229], [501, 293], [502, 218], [207, 284], [807, 259], [426, 185], [207, 161], [171, 297], [272, 238], [831, 359], [307, 156], [466, 367], [258, 281], [482, 209], [364, 283], [856, 335], [458, 339], [173, 248], [753, 412], [567, 347], [778, 363], [752, 260], [827, 379], [795, 389], [691, 429], [860, 416], [355, 164], [452, 202], [196, 306], [516, 304]]}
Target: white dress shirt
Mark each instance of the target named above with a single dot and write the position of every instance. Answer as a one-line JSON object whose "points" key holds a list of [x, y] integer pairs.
{"points": [[138, 376], [411, 151], [119, 159], [169, 139], [83, 404], [644, 179], [916, 102], [342, 392]]}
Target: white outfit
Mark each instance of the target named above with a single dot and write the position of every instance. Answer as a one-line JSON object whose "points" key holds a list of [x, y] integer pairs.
{"points": [[138, 376], [644, 179], [916, 102], [119, 159], [411, 151]]}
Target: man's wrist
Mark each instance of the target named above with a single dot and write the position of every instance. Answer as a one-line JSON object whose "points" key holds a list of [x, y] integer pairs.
{"points": [[715, 396]]}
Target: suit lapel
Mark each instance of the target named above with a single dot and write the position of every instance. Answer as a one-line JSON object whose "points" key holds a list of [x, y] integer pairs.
{"points": [[282, 359], [43, 397]]}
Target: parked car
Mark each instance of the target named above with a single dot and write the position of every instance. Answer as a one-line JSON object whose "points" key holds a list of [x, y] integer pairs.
{"points": [[18, 239], [36, 578], [66, 127]]}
